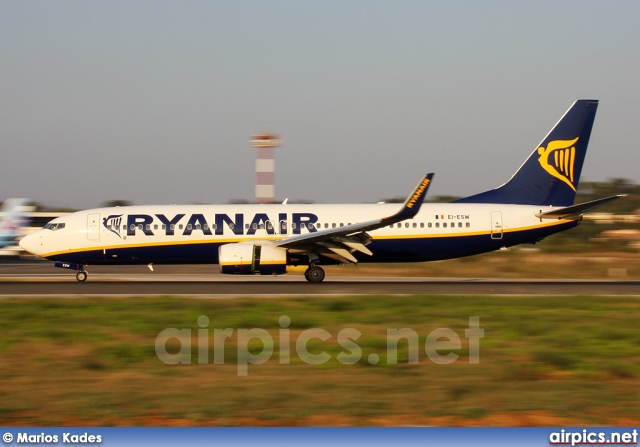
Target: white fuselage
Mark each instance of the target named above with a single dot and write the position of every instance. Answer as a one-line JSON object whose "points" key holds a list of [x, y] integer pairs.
{"points": [[177, 234]]}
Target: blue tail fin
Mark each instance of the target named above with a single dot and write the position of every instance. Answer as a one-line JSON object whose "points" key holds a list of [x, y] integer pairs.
{"points": [[551, 173]]}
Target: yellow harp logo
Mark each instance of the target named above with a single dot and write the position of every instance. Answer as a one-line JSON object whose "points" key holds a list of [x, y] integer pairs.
{"points": [[558, 160]]}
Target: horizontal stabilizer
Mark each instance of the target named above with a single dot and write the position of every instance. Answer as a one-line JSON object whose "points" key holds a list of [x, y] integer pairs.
{"points": [[577, 210]]}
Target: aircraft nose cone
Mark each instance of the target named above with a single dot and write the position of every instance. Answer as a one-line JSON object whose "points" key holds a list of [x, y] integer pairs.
{"points": [[31, 243]]}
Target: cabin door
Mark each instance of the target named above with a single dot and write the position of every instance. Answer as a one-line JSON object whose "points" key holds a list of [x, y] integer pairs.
{"points": [[93, 227], [496, 225]]}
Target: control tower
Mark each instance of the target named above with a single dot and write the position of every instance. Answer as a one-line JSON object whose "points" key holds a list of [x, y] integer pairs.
{"points": [[265, 143]]}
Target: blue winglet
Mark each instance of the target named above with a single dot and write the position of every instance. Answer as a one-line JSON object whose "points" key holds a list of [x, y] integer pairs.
{"points": [[409, 209], [412, 205]]}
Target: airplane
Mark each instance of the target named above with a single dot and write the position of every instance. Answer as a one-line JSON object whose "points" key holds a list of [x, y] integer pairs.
{"points": [[537, 201], [12, 220]]}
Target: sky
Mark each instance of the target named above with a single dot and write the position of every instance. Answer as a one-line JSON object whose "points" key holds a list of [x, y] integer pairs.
{"points": [[155, 101]]}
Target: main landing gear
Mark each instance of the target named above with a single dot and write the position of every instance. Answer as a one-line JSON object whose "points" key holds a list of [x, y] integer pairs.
{"points": [[314, 274], [81, 276]]}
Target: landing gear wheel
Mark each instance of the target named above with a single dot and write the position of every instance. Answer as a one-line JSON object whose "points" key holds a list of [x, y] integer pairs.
{"points": [[314, 274], [81, 276]]}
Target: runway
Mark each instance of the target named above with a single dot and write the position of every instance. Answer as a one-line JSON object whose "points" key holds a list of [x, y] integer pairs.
{"points": [[43, 280]]}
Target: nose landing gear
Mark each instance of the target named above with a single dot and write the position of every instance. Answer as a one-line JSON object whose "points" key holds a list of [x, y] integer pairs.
{"points": [[82, 274]]}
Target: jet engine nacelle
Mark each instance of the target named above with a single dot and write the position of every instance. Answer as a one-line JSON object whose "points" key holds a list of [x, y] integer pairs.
{"points": [[248, 258]]}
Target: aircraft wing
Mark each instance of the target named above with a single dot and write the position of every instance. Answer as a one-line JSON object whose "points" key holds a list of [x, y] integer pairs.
{"points": [[577, 210], [339, 243]]}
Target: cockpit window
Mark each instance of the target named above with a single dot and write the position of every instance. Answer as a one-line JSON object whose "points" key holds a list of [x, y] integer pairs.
{"points": [[54, 226]]}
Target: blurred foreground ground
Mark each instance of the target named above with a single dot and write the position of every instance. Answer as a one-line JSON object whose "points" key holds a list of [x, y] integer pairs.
{"points": [[569, 360]]}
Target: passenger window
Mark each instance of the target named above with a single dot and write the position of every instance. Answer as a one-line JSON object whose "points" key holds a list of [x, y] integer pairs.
{"points": [[444, 225], [437, 224], [429, 224], [468, 225], [188, 226]]}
